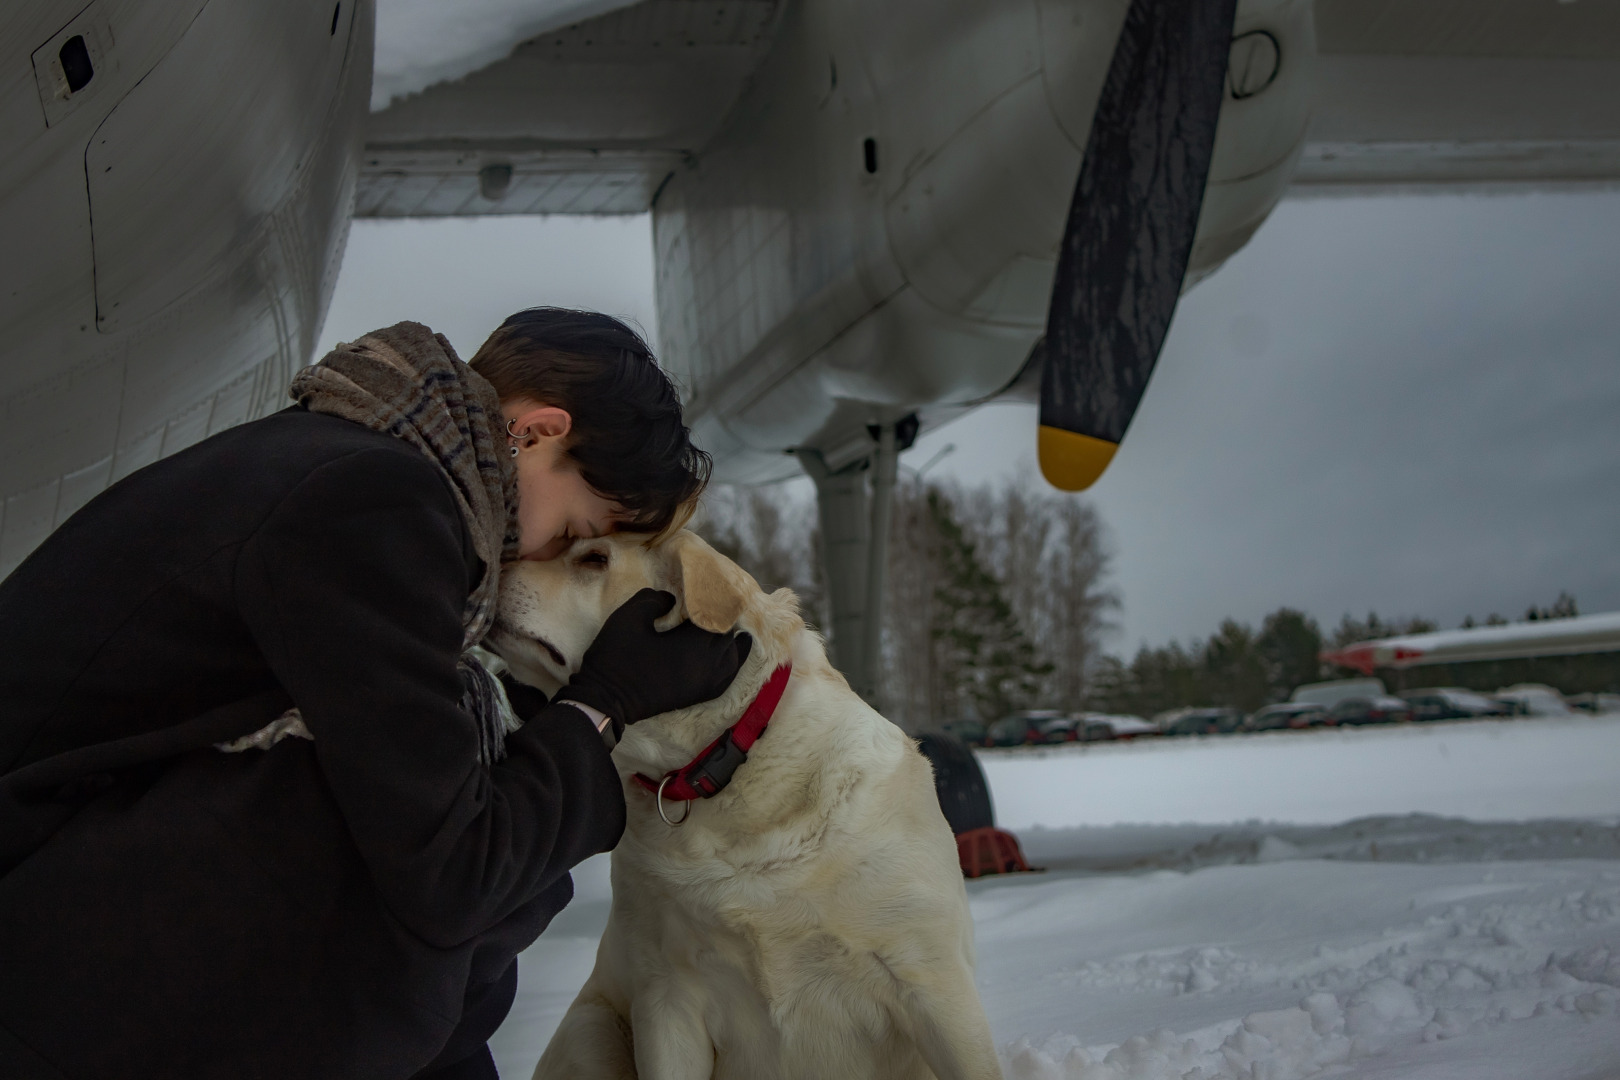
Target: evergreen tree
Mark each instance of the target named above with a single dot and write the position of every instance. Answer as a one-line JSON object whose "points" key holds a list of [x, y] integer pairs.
{"points": [[984, 657], [1290, 646], [1047, 551], [1350, 630], [1167, 678], [1112, 689], [1562, 608], [1234, 669]]}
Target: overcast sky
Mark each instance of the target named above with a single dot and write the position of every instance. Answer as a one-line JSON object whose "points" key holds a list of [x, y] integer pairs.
{"points": [[1410, 404]]}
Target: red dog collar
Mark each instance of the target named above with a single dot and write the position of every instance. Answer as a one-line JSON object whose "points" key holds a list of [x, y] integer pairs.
{"points": [[707, 774]]}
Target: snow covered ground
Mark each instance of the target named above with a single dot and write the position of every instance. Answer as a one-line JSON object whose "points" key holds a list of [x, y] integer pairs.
{"points": [[1486, 770], [1210, 909]]}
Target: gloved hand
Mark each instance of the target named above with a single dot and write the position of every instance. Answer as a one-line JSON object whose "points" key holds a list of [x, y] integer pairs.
{"points": [[632, 671]]}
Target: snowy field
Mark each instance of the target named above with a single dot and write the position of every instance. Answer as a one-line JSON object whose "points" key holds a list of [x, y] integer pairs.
{"points": [[1487, 771], [1438, 902]]}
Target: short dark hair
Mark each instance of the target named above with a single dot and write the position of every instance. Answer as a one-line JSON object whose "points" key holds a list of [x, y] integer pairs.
{"points": [[628, 436]]}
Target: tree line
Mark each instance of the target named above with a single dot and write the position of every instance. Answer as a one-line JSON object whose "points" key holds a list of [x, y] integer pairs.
{"points": [[1238, 666], [997, 599], [1242, 668]]}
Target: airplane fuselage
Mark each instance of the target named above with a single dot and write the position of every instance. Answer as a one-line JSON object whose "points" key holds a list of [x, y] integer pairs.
{"points": [[175, 191]]}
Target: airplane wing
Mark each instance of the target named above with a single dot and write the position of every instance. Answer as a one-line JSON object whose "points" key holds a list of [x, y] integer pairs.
{"points": [[1426, 92], [592, 118], [588, 119]]}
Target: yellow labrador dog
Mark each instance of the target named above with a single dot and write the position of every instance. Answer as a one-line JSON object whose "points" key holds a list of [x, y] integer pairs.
{"points": [[809, 919]]}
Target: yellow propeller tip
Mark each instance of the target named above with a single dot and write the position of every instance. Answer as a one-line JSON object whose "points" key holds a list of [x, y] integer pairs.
{"points": [[1071, 461]]}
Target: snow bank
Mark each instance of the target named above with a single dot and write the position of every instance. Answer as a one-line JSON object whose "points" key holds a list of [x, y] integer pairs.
{"points": [[1466, 986], [1488, 770], [1333, 1032], [422, 42], [1411, 838]]}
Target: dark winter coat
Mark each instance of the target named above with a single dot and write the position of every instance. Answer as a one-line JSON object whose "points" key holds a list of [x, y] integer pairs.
{"points": [[318, 909]]}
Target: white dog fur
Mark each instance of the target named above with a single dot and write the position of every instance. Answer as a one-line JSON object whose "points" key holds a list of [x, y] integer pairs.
{"points": [[809, 920]]}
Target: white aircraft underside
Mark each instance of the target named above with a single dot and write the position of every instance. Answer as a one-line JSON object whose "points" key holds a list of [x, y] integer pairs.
{"points": [[171, 229], [856, 206]]}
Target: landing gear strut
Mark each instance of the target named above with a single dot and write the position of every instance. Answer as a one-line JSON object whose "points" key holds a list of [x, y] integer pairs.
{"points": [[856, 504]]}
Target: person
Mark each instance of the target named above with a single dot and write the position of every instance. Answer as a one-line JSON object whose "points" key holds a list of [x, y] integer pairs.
{"points": [[257, 814]]}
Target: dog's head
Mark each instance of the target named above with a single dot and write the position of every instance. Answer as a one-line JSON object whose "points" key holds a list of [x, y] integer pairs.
{"points": [[550, 612]]}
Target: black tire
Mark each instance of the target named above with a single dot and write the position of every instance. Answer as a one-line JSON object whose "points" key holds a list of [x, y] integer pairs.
{"points": [[959, 782]]}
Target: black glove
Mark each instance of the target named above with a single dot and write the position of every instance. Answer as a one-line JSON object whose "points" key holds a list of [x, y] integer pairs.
{"points": [[632, 671]]}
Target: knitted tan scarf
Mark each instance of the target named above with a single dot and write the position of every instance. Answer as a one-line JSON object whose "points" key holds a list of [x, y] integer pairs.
{"points": [[406, 381]]}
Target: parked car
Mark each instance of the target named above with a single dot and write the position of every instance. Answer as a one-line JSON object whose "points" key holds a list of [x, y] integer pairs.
{"points": [[1076, 727], [1534, 699], [1288, 714], [1021, 728], [1059, 729], [1123, 725], [1330, 693], [1380, 709], [1198, 721], [1451, 703], [1094, 728], [1598, 703], [971, 732]]}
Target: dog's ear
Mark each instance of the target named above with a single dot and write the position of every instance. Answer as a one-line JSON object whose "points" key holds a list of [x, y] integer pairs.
{"points": [[715, 589]]}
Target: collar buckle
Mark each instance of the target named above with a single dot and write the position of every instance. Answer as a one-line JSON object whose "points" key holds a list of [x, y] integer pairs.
{"points": [[714, 770], [708, 774]]}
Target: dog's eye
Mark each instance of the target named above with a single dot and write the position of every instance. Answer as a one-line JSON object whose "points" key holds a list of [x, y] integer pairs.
{"points": [[596, 560]]}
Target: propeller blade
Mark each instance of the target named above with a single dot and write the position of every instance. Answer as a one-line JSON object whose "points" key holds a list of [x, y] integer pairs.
{"points": [[1130, 229]]}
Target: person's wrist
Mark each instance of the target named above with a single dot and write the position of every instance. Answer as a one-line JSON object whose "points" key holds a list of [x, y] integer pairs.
{"points": [[592, 713], [588, 692]]}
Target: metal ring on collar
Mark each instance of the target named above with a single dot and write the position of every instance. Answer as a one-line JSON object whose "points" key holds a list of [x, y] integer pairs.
{"points": [[658, 797]]}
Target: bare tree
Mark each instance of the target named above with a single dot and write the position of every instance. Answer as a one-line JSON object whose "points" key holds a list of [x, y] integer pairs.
{"points": [[1045, 552], [1079, 607], [1048, 550], [912, 688], [771, 535]]}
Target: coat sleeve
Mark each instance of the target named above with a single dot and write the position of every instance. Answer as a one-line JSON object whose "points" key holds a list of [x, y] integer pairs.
{"points": [[354, 588]]}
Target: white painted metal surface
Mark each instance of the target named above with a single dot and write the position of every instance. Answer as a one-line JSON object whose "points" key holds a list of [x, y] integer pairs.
{"points": [[1417, 93], [171, 231], [804, 294], [856, 205], [586, 119]]}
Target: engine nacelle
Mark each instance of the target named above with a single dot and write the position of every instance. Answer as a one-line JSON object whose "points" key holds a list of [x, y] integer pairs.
{"points": [[895, 191]]}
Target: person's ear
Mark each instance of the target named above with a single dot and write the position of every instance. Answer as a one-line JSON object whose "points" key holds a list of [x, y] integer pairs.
{"points": [[542, 421], [714, 589]]}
